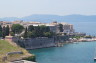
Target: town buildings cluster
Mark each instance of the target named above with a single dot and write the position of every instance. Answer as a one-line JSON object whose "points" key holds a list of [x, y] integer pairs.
{"points": [[64, 32], [54, 26]]}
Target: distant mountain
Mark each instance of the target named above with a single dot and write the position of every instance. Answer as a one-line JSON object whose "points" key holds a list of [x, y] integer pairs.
{"points": [[9, 19], [50, 18]]}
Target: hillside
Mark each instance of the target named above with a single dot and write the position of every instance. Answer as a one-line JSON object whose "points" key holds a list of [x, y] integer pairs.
{"points": [[50, 18], [6, 47]]}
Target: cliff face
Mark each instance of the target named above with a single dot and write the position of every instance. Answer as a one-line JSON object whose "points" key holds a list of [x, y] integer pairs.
{"points": [[34, 43], [41, 42]]}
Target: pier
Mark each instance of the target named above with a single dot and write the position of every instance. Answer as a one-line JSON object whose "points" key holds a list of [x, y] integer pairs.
{"points": [[22, 61]]}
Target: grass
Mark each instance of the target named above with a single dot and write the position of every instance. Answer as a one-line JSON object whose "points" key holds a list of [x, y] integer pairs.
{"points": [[6, 47]]}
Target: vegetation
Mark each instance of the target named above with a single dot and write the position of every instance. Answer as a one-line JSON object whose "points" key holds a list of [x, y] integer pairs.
{"points": [[61, 27], [6, 47], [4, 31], [25, 33], [31, 32], [31, 58], [0, 28], [0, 31], [89, 36], [77, 37], [7, 30], [37, 31], [17, 28], [31, 28], [12, 34]]}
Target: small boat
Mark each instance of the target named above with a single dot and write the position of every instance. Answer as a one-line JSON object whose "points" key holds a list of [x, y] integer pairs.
{"points": [[95, 55], [94, 58]]}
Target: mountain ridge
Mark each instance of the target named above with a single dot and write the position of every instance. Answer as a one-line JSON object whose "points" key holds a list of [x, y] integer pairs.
{"points": [[50, 18]]}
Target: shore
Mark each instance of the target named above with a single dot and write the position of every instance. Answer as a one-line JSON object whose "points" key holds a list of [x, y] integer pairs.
{"points": [[83, 40], [10, 52], [60, 44]]}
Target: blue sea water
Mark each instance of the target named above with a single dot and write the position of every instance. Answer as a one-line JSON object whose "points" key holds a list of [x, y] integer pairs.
{"points": [[86, 27], [83, 52]]}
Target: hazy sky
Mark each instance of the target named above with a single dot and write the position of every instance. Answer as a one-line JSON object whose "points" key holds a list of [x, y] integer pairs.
{"points": [[20, 8]]}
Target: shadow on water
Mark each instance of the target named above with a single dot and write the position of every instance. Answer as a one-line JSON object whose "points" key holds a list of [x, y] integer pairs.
{"points": [[42, 50], [94, 61]]}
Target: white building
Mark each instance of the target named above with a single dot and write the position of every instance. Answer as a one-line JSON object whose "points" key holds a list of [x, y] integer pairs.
{"points": [[54, 26]]}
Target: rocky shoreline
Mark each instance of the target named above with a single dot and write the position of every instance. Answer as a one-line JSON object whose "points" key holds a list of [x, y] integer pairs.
{"points": [[76, 41]]}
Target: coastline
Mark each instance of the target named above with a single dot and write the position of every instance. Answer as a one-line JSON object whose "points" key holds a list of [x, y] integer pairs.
{"points": [[76, 41], [60, 44], [28, 56], [13, 52]]}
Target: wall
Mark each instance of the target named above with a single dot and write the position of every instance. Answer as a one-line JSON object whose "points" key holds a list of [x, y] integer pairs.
{"points": [[41, 42], [34, 43]]}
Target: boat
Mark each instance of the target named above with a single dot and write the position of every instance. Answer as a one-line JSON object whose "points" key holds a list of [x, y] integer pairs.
{"points": [[95, 55], [94, 58]]}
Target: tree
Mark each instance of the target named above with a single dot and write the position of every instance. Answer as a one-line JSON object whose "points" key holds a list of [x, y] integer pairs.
{"points": [[37, 30], [32, 34], [7, 30], [3, 32], [0, 31], [0, 34], [44, 28], [12, 34], [30, 28], [48, 34], [0, 28], [17, 28], [61, 27], [47, 29], [25, 33]]}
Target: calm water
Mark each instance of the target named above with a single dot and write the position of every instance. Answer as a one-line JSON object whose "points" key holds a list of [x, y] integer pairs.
{"points": [[82, 52], [86, 27]]}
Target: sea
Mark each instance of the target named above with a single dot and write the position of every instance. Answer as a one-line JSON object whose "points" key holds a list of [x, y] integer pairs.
{"points": [[82, 52]]}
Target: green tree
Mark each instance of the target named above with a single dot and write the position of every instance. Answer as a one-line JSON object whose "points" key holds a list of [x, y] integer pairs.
{"points": [[48, 34], [30, 28], [0, 34], [61, 27], [44, 28], [25, 33], [3, 31], [7, 30], [47, 29], [17, 28], [0, 31], [0, 28], [12, 34], [37, 30], [32, 34]]}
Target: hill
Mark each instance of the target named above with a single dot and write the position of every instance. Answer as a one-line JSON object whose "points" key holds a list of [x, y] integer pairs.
{"points": [[50, 18], [6, 47]]}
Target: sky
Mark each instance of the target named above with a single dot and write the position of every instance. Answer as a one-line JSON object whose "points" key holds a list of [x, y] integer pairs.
{"points": [[21, 8]]}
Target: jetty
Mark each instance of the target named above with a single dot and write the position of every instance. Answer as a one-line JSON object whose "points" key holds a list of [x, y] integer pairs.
{"points": [[22, 61]]}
